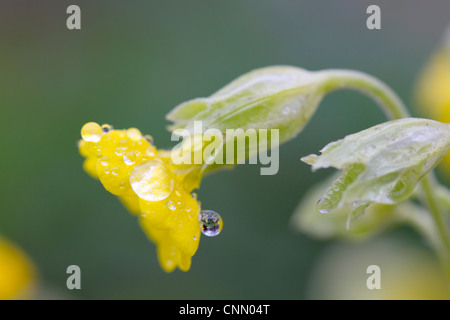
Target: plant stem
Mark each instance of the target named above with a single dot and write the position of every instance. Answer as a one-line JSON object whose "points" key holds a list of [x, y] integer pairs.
{"points": [[371, 86], [428, 187], [394, 109]]}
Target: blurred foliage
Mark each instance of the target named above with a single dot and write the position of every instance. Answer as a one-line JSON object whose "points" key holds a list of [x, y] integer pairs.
{"points": [[129, 65], [406, 272]]}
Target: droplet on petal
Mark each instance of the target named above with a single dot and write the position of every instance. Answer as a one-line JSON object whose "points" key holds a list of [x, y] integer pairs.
{"points": [[115, 171], [210, 223], [134, 134], [104, 161], [119, 151], [171, 205], [129, 158], [149, 138], [91, 132], [152, 181], [107, 128]]}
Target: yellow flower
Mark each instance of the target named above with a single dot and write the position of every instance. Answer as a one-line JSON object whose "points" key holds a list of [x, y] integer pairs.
{"points": [[150, 186], [433, 91], [17, 273]]}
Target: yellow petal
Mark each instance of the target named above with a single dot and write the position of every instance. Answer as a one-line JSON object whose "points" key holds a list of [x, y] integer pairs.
{"points": [[17, 274]]}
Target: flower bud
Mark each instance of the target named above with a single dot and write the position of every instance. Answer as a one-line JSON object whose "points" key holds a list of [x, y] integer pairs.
{"points": [[382, 164], [279, 97]]}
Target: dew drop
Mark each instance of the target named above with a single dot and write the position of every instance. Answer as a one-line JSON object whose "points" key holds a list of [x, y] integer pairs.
{"points": [[286, 110], [171, 205], [152, 181], [149, 138], [134, 134], [210, 223], [129, 158], [324, 210], [150, 152], [119, 151], [104, 161], [115, 171], [92, 132], [107, 128]]}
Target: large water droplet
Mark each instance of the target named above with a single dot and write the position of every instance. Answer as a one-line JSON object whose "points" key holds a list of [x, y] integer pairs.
{"points": [[210, 223], [92, 132], [152, 181]]}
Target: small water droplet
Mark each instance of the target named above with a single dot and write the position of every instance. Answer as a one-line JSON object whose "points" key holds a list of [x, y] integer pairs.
{"points": [[171, 205], [150, 152], [134, 134], [324, 210], [104, 161], [115, 171], [152, 181], [196, 237], [149, 138], [129, 158], [119, 151], [92, 132], [107, 128], [210, 223]]}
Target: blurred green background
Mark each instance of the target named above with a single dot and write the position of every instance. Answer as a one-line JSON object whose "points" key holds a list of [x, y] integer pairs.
{"points": [[130, 64]]}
